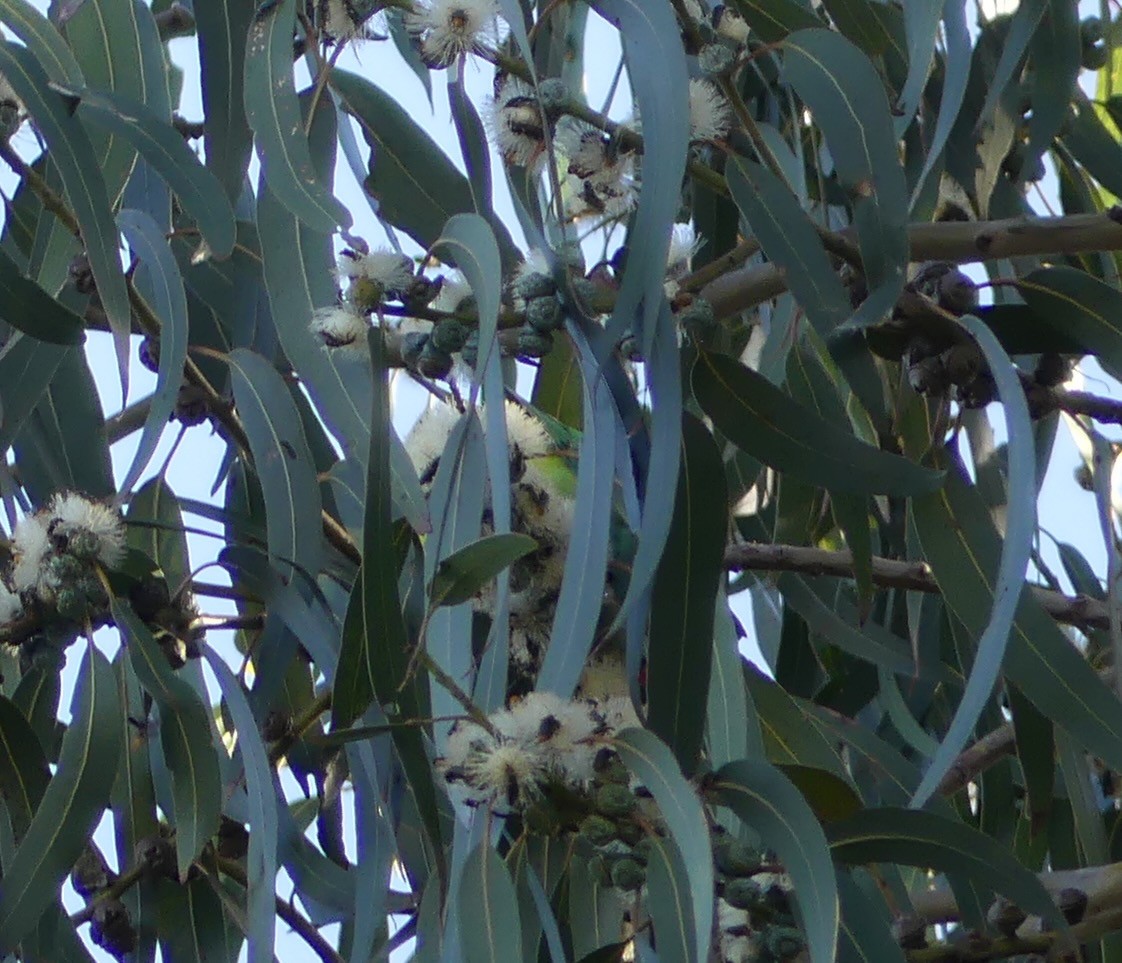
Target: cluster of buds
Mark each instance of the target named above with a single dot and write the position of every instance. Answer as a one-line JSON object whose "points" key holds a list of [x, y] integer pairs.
{"points": [[536, 291], [57, 555], [111, 925]]}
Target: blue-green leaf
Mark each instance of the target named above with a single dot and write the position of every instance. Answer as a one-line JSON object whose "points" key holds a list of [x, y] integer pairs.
{"points": [[649, 34], [28, 308], [914, 837], [788, 237], [774, 19], [198, 190], [1055, 52], [1015, 553], [655, 767], [70, 806], [170, 305], [766, 801], [846, 96], [221, 27], [85, 187], [668, 887], [462, 574], [185, 735], [490, 929], [43, 40], [761, 420], [921, 25], [684, 595], [261, 863], [274, 115], [281, 460]]}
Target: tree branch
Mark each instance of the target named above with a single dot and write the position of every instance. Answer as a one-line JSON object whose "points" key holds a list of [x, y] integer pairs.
{"points": [[1078, 610], [959, 241]]}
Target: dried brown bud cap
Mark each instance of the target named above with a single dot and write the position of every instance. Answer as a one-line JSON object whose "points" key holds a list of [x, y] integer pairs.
{"points": [[1072, 903]]}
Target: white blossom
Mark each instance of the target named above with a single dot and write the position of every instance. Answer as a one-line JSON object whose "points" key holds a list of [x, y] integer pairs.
{"points": [[710, 114], [10, 604], [684, 243], [450, 29], [71, 513], [454, 290], [735, 944], [389, 269], [564, 730], [732, 26], [340, 328], [516, 125], [30, 548], [338, 23], [497, 771], [428, 437]]}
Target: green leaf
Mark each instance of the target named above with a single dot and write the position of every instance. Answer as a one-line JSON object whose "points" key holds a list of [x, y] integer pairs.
{"points": [[43, 40], [170, 304], [1015, 553], [921, 28], [221, 28], [490, 930], [866, 933], [731, 733], [1093, 146], [198, 190], [156, 528], [261, 861], [766, 801], [474, 249], [70, 806], [274, 114], [185, 735], [24, 772], [774, 19], [649, 34], [462, 574], [668, 893], [914, 837], [766, 423], [194, 926], [281, 460], [788, 237], [956, 37], [26, 369], [963, 549], [37, 696], [1080, 305], [28, 308], [684, 595], [655, 767], [81, 175], [1022, 29], [846, 95], [828, 795], [1055, 52], [417, 187]]}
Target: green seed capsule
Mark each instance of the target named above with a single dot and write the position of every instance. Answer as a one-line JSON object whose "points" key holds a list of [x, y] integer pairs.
{"points": [[628, 874], [553, 93], [534, 285], [544, 315], [598, 830], [434, 363], [783, 942], [449, 336], [698, 321], [742, 894], [615, 800], [734, 858], [534, 344]]}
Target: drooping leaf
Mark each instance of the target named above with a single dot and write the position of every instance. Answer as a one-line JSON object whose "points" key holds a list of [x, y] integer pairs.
{"points": [[490, 931], [185, 735], [156, 528], [24, 770], [649, 33], [70, 805], [74, 159], [274, 114], [162, 278], [846, 95], [1080, 305], [261, 861], [768, 424], [685, 592], [915, 837], [221, 28], [668, 892], [462, 574], [766, 801], [654, 765], [1015, 553], [1055, 52], [417, 187], [43, 40], [787, 235], [28, 308], [162, 146], [281, 460], [773, 20]]}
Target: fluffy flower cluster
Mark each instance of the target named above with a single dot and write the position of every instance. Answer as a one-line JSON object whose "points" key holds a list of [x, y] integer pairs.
{"points": [[368, 279], [542, 739], [340, 21], [540, 508], [54, 553], [516, 123], [601, 176], [451, 29]]}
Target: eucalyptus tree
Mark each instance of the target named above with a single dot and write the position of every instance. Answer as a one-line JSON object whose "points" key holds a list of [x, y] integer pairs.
{"points": [[695, 336]]}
